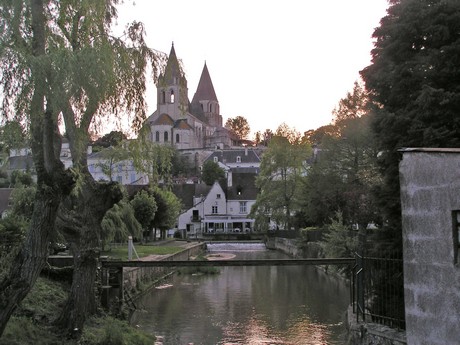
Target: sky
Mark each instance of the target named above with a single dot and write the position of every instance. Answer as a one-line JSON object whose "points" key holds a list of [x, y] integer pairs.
{"points": [[270, 61]]}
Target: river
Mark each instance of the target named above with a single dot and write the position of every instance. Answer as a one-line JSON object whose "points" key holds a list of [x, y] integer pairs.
{"points": [[272, 305]]}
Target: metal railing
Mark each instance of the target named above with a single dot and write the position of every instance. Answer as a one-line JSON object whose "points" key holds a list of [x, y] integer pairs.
{"points": [[378, 290]]}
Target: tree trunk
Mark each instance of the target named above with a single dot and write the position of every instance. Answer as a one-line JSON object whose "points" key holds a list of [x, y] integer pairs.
{"points": [[29, 262], [83, 231]]}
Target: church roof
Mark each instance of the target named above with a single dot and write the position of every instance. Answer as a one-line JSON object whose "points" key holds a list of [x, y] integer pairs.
{"points": [[205, 89], [182, 124], [173, 70], [163, 119]]}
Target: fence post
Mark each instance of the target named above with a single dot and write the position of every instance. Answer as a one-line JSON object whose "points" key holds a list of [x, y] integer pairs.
{"points": [[130, 248], [360, 308], [360, 272]]}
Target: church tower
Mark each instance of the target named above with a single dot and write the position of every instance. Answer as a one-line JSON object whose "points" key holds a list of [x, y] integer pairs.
{"points": [[205, 100], [172, 91]]}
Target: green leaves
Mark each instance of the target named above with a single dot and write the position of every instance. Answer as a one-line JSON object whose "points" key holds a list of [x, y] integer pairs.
{"points": [[211, 172], [414, 85], [282, 167]]}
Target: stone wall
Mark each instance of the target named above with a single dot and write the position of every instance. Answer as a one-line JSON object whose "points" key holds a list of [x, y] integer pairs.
{"points": [[288, 246], [430, 193], [360, 333], [133, 275]]}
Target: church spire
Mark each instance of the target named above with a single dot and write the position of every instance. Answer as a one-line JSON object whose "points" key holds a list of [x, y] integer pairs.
{"points": [[173, 72], [205, 89], [205, 100]]}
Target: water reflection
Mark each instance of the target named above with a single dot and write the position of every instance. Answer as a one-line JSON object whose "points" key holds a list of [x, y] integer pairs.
{"points": [[248, 305]]}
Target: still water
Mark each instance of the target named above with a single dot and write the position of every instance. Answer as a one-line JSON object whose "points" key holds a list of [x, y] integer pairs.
{"points": [[291, 305]]}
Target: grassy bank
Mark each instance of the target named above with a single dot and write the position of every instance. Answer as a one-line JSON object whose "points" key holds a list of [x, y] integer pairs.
{"points": [[32, 323], [121, 253]]}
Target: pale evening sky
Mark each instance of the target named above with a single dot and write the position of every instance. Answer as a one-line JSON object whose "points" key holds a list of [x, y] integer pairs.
{"points": [[270, 61]]}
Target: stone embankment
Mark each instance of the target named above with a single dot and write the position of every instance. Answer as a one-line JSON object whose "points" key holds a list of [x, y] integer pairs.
{"points": [[133, 276]]}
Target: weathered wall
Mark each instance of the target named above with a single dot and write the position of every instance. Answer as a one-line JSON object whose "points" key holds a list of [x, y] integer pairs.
{"points": [[430, 191]]}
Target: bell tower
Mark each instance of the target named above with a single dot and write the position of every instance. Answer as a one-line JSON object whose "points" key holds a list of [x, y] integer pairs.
{"points": [[172, 91]]}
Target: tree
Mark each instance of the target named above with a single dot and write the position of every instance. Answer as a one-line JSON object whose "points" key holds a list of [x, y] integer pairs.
{"points": [[344, 172], [64, 64], [145, 207], [110, 159], [239, 125], [25, 75], [281, 169], [151, 158], [120, 222], [114, 138], [169, 207], [353, 105], [291, 134], [211, 172], [20, 178], [413, 82], [13, 136], [339, 241]]}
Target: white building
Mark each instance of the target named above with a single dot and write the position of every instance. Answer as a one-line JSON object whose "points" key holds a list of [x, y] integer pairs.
{"points": [[224, 209]]}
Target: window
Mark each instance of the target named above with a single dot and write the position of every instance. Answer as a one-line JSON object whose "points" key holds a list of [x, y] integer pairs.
{"points": [[171, 99], [163, 97], [456, 233], [177, 138], [214, 210], [238, 159], [166, 136], [218, 196], [216, 159], [243, 207], [157, 136]]}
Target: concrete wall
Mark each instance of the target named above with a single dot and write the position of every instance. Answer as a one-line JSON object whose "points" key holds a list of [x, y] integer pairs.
{"points": [[430, 191]]}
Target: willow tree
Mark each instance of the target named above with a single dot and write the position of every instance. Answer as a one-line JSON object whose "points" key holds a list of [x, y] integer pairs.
{"points": [[60, 64]]}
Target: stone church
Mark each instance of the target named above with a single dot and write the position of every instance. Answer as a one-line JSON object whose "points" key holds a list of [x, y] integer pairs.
{"points": [[183, 124]]}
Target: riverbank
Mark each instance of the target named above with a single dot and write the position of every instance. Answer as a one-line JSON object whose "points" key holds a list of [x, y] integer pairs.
{"points": [[33, 322]]}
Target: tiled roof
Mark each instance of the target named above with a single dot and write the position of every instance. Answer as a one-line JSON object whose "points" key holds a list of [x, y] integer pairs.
{"points": [[243, 187], [205, 89], [230, 156], [186, 192], [163, 119], [182, 124]]}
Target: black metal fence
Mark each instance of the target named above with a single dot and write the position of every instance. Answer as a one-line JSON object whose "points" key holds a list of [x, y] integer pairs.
{"points": [[378, 289]]}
